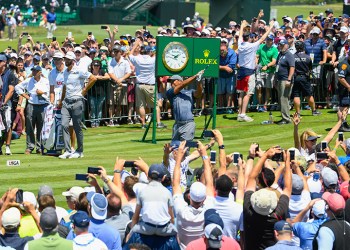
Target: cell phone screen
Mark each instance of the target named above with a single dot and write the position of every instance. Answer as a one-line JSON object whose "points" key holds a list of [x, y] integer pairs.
{"points": [[324, 145], [208, 134], [292, 155], [212, 156], [81, 177], [340, 136], [235, 158], [129, 164], [93, 170], [191, 144], [19, 196]]}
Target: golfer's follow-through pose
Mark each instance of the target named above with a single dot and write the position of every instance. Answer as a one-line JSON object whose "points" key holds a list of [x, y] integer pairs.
{"points": [[182, 102]]}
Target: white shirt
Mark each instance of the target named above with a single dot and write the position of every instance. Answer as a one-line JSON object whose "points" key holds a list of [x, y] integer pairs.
{"points": [[74, 82], [183, 168], [56, 79], [298, 203], [88, 242], [189, 220], [84, 63], [231, 213], [119, 69], [247, 54], [30, 85], [145, 68]]}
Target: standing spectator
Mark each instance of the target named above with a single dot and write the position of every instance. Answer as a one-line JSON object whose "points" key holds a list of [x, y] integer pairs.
{"points": [[66, 8], [230, 211], [306, 231], [72, 103], [302, 85], [10, 222], [344, 90], [181, 101], [227, 78], [36, 90], [145, 87], [334, 233], [84, 239], [316, 48], [284, 234], [246, 73], [2, 22], [50, 238], [119, 71], [7, 102], [12, 27], [284, 75], [267, 56], [82, 61], [214, 237], [51, 23], [97, 94], [190, 217], [262, 209]]}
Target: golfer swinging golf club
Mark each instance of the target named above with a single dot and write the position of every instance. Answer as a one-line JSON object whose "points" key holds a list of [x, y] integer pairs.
{"points": [[182, 102]]}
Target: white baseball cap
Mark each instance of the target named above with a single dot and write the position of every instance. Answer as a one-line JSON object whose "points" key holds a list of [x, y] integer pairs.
{"points": [[70, 55], [74, 192], [198, 192]]}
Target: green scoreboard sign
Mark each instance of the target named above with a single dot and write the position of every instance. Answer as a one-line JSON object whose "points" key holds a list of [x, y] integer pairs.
{"points": [[187, 56]]}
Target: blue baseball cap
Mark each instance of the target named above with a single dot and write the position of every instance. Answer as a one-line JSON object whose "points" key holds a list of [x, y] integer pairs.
{"points": [[36, 57], [37, 68], [3, 58], [157, 171], [80, 219], [270, 37], [211, 216], [98, 203], [345, 16], [282, 225], [282, 42]]}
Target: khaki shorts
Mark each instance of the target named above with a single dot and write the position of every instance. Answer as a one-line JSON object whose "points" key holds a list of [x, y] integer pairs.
{"points": [[144, 95], [117, 95]]}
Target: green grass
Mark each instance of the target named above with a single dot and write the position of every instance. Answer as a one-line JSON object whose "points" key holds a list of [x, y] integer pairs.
{"points": [[104, 144]]}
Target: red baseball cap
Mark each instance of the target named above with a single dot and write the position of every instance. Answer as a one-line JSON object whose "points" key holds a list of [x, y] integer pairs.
{"points": [[335, 201], [344, 190]]}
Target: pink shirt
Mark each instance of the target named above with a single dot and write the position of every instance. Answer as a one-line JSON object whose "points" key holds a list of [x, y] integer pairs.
{"points": [[226, 244]]}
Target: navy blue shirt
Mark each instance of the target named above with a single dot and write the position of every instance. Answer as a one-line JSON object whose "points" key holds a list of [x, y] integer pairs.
{"points": [[182, 104], [284, 62], [230, 60], [14, 240], [316, 49]]}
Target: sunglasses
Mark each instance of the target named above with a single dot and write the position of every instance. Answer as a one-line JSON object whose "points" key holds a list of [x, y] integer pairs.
{"points": [[152, 42], [77, 52]]}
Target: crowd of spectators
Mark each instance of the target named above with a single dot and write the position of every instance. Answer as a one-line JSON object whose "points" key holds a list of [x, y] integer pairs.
{"points": [[294, 198]]}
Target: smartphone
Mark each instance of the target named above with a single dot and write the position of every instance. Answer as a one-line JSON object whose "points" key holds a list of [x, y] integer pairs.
{"points": [[69, 35], [278, 157], [340, 136], [321, 156], [324, 145], [311, 13], [19, 196], [208, 133], [54, 39], [134, 170], [93, 170], [316, 176], [213, 156], [25, 33], [129, 164], [81, 177], [191, 144], [292, 155], [89, 33], [257, 148], [103, 27], [235, 158]]}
